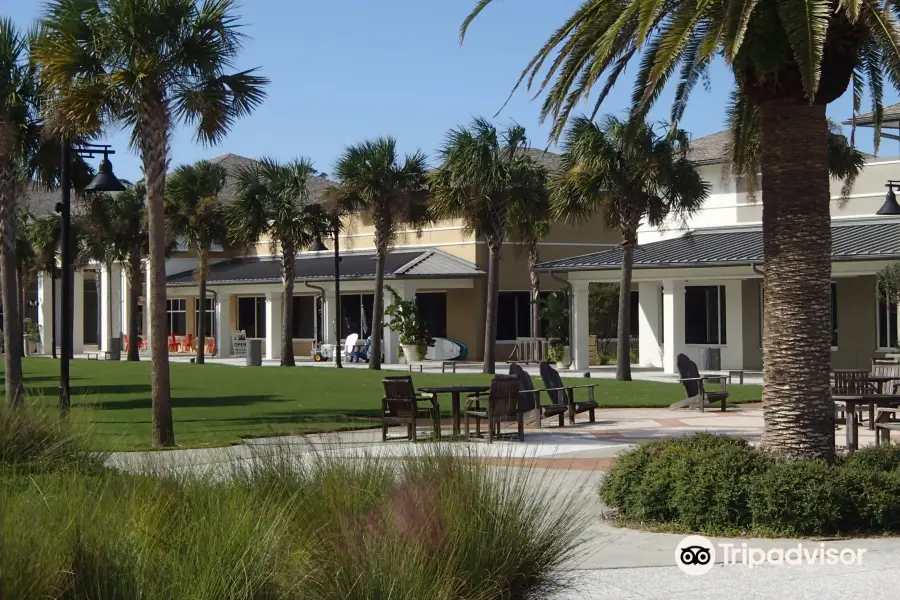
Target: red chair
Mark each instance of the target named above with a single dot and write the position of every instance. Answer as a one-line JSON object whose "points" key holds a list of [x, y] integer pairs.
{"points": [[188, 344], [173, 343], [211, 345]]}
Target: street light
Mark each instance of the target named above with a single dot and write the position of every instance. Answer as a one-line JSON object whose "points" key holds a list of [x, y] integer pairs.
{"points": [[890, 206], [105, 181]]}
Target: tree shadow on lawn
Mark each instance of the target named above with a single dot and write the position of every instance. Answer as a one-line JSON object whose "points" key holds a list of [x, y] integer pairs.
{"points": [[286, 418], [193, 402]]}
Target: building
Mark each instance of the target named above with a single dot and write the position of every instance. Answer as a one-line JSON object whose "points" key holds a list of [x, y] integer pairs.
{"points": [[700, 284], [442, 267]]}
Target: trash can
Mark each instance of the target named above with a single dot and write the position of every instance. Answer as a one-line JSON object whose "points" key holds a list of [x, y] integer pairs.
{"points": [[114, 349], [712, 359], [254, 353]]}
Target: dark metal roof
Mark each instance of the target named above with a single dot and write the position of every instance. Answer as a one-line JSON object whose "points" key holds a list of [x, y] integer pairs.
{"points": [[890, 117], [860, 241], [402, 264]]}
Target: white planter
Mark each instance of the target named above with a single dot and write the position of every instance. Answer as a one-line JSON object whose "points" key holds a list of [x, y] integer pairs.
{"points": [[30, 347], [410, 353]]}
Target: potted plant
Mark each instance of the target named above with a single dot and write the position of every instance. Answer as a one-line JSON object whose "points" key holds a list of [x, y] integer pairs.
{"points": [[406, 321], [32, 336], [555, 313]]}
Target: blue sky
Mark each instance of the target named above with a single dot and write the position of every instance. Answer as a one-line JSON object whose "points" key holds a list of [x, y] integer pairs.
{"points": [[345, 70]]}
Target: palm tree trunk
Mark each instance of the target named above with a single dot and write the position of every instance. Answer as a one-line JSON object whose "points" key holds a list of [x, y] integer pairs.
{"points": [[134, 296], [490, 313], [202, 269], [53, 309], [623, 342], [799, 415], [20, 284], [12, 338], [378, 305], [287, 307], [153, 140], [533, 259]]}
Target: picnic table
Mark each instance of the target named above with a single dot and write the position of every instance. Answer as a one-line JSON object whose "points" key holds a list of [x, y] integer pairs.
{"points": [[854, 402], [455, 391], [880, 380]]}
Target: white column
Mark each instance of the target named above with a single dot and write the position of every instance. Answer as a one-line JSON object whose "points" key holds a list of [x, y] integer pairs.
{"points": [[148, 311], [580, 341], [391, 340], [328, 317], [223, 322], [733, 351], [649, 324], [123, 304], [673, 323], [273, 325], [110, 304], [78, 311], [45, 312]]}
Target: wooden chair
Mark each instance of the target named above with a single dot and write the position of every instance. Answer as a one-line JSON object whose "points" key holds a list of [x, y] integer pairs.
{"points": [[890, 368], [502, 406], [565, 394], [694, 387], [849, 383], [400, 406], [530, 398]]}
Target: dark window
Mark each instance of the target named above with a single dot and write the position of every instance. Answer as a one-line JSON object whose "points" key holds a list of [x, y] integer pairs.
{"points": [[635, 314], [513, 320], [704, 314], [304, 317], [209, 317], [887, 324], [252, 316], [834, 318], [433, 310], [356, 314], [176, 311]]}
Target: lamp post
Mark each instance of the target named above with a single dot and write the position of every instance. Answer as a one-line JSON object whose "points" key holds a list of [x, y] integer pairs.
{"points": [[104, 181], [890, 206], [318, 246]]}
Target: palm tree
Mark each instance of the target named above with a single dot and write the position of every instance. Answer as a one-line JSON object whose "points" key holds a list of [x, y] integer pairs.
{"points": [[128, 219], [273, 200], [193, 213], [629, 173], [790, 59], [19, 118], [45, 235], [486, 177], [392, 191], [148, 65], [529, 223]]}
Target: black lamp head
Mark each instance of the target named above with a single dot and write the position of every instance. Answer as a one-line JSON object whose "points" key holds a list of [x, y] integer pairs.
{"points": [[890, 206], [105, 180], [317, 245]]}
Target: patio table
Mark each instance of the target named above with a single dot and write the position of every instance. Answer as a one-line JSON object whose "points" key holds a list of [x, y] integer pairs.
{"points": [[882, 379], [455, 391], [851, 403]]}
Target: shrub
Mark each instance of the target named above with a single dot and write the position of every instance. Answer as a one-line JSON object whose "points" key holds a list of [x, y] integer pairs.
{"points": [[873, 498], [31, 440], [700, 482], [876, 458], [801, 497]]}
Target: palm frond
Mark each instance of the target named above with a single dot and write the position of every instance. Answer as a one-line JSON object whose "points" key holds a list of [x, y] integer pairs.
{"points": [[806, 24]]}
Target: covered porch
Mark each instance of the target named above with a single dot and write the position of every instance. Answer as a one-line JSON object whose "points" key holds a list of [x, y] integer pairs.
{"points": [[704, 292]]}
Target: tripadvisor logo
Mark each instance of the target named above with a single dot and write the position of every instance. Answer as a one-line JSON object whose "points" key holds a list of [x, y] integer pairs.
{"points": [[696, 555]]}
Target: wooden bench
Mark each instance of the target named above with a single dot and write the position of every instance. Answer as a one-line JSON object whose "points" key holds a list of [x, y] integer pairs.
{"points": [[885, 422], [445, 364], [96, 355]]}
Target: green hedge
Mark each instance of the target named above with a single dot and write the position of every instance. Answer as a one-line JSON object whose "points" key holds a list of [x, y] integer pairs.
{"points": [[723, 485]]}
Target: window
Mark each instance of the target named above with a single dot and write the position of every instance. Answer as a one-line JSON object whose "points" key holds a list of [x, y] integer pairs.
{"points": [[252, 316], [704, 314], [176, 312], [209, 317], [887, 323], [513, 315], [433, 310], [304, 326], [356, 314]]}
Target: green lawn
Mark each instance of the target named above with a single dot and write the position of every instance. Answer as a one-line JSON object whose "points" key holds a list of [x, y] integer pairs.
{"points": [[217, 405]]}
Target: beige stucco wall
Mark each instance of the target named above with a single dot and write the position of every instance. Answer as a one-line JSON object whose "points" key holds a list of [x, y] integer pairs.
{"points": [[752, 314]]}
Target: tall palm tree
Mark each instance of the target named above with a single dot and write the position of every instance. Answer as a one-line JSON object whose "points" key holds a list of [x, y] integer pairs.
{"points": [[193, 213], [45, 236], [485, 177], [529, 223], [128, 219], [19, 120], [148, 64], [392, 191], [629, 173], [790, 59], [273, 200]]}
